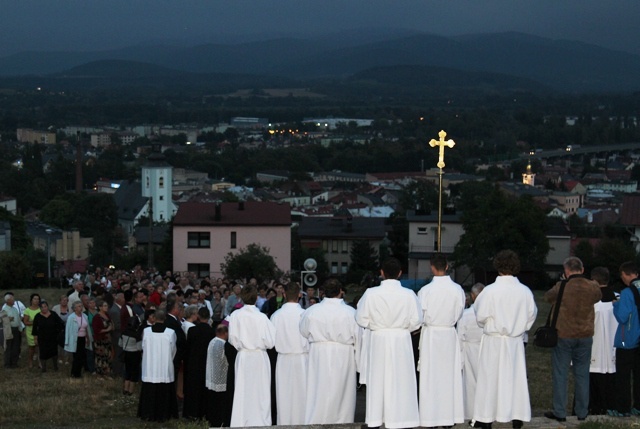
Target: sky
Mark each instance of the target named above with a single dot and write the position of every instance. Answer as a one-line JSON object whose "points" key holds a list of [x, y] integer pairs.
{"points": [[83, 25]]}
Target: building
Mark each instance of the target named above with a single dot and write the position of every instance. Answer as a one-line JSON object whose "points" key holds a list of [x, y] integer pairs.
{"points": [[5, 237], [204, 233], [568, 202], [28, 135], [157, 183], [529, 177], [9, 204], [335, 236], [423, 240]]}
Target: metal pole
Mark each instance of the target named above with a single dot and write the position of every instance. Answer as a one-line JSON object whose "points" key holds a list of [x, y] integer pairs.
{"points": [[48, 231], [440, 173]]}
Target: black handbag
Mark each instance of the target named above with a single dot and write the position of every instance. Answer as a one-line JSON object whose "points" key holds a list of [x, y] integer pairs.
{"points": [[547, 335]]}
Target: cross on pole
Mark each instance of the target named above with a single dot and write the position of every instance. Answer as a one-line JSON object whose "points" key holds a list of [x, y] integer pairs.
{"points": [[441, 143]]}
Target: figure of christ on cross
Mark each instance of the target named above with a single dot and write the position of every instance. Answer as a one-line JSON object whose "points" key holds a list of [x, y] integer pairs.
{"points": [[441, 143]]}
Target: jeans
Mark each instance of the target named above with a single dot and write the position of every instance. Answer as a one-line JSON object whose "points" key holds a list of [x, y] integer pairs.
{"points": [[576, 351]]}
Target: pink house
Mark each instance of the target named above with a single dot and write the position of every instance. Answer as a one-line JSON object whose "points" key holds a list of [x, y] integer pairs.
{"points": [[204, 233]]}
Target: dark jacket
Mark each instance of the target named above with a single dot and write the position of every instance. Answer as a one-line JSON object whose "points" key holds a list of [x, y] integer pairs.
{"points": [[577, 315]]}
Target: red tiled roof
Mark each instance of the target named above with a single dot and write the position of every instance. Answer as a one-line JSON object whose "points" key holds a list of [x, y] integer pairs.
{"points": [[630, 213], [255, 213]]}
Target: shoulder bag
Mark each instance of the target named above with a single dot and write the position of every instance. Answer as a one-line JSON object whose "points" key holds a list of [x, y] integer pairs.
{"points": [[547, 335]]}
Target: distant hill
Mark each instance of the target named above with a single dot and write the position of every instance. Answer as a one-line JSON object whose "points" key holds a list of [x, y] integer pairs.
{"points": [[564, 66]]}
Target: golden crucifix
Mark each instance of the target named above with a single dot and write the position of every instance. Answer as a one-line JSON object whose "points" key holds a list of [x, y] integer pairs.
{"points": [[441, 143]]}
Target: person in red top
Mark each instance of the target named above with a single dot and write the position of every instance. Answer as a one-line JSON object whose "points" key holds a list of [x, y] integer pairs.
{"points": [[103, 349], [157, 295]]}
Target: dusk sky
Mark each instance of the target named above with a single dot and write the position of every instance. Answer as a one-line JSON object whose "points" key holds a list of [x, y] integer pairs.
{"points": [[105, 24]]}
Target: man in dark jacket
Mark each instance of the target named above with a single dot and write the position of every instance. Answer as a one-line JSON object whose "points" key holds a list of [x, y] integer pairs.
{"points": [[575, 326]]}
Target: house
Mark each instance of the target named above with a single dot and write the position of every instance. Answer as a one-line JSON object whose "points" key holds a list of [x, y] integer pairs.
{"points": [[423, 240], [335, 235], [568, 202], [9, 204], [204, 233]]}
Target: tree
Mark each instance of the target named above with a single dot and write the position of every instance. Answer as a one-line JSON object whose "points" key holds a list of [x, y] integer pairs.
{"points": [[612, 252], [364, 262], [15, 271], [419, 195], [251, 261], [493, 221], [58, 212]]}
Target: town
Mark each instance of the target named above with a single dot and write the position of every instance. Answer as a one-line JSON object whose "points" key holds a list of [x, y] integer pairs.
{"points": [[202, 192]]}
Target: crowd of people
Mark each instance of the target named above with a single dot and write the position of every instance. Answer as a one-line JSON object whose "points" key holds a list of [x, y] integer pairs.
{"points": [[244, 353]]}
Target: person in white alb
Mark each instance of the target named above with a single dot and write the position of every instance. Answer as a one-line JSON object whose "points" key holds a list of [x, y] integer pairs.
{"points": [[442, 302], [251, 333], [470, 335], [505, 310], [334, 338], [158, 394], [390, 312], [293, 360], [603, 353]]}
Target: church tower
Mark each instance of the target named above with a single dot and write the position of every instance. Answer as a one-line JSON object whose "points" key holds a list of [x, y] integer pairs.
{"points": [[529, 178], [157, 180]]}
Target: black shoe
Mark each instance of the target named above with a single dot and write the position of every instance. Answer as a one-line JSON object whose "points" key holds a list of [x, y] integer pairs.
{"points": [[550, 415], [480, 425], [582, 418], [516, 424]]}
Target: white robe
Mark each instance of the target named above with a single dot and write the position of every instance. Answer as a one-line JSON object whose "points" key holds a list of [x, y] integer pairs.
{"points": [[334, 337], [603, 354], [440, 364], [291, 366], [158, 350], [251, 333], [469, 334], [505, 310], [390, 313]]}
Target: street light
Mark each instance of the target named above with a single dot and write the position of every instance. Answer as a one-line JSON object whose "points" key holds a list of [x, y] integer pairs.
{"points": [[49, 231]]}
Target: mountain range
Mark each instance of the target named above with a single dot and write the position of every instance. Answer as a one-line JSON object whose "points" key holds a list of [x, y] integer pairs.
{"points": [[515, 59]]}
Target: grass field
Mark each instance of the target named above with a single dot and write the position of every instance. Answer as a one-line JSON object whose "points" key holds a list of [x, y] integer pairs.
{"points": [[30, 399]]}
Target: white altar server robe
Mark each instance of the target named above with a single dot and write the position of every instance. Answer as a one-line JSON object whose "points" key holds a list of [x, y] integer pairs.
{"points": [[440, 365], [158, 348], [603, 354], [505, 310], [291, 366], [334, 337], [251, 333], [469, 334], [390, 313]]}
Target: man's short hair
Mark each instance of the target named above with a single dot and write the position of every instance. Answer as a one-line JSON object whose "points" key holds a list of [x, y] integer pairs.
{"points": [[249, 294], [439, 262], [573, 264], [222, 329], [629, 268], [477, 288], [8, 296], [203, 313], [292, 291], [601, 275], [391, 268], [332, 288], [507, 262], [160, 315]]}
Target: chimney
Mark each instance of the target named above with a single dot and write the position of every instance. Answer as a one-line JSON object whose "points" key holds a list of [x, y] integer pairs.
{"points": [[218, 213], [78, 164]]}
